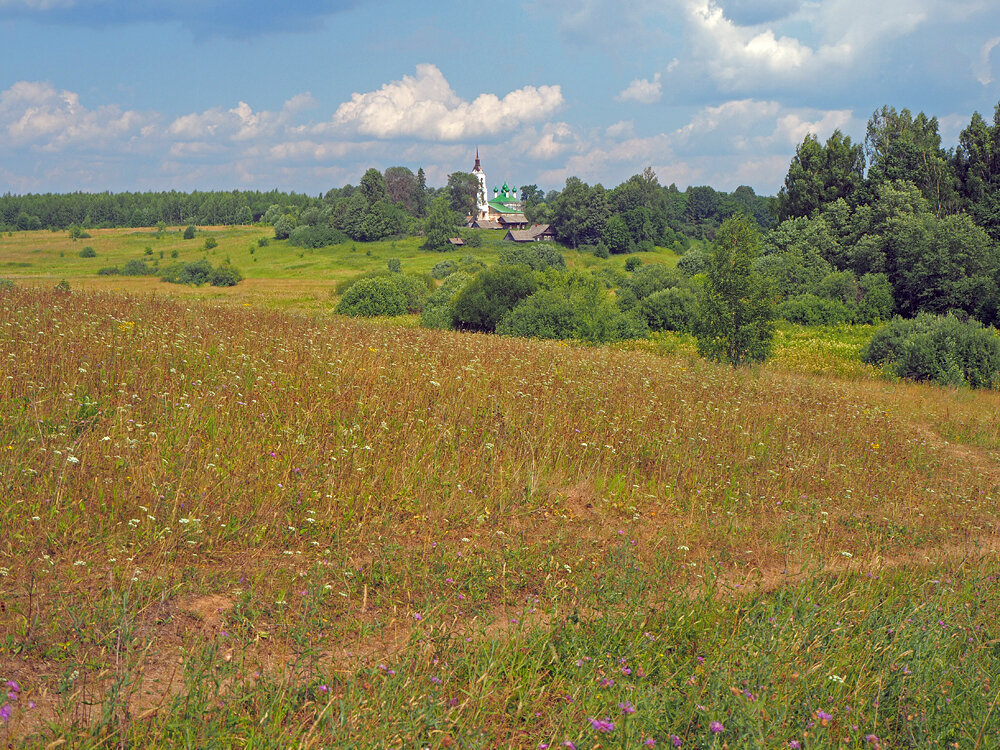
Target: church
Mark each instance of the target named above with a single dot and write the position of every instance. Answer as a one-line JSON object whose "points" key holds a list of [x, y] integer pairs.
{"points": [[504, 211]]}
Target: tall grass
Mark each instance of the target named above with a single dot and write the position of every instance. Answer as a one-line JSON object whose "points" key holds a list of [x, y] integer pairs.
{"points": [[219, 522]]}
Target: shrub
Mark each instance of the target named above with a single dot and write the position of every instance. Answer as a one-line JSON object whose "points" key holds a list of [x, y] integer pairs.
{"points": [[210, 243], [810, 310], [225, 275], [88, 252], [439, 307], [671, 309], [491, 294], [174, 254], [394, 265], [601, 251], [538, 256], [189, 232], [195, 274], [314, 236], [372, 297], [444, 269], [876, 302], [62, 287], [108, 271], [136, 267], [938, 348], [548, 314], [632, 263], [693, 263], [148, 250], [414, 288], [6, 284], [283, 227]]}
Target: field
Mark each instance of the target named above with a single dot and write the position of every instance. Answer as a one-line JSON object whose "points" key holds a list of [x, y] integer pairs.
{"points": [[234, 525]]}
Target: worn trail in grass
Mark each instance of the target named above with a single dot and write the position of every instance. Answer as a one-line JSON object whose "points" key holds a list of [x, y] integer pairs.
{"points": [[220, 514]]}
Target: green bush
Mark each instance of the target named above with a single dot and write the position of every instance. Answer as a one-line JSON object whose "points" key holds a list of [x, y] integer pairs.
{"points": [[938, 348], [315, 236], [283, 227], [263, 241], [196, 273], [210, 243], [439, 307], [394, 265], [444, 269], [491, 294], [632, 263], [537, 256], [189, 232], [671, 309], [810, 310], [6, 284], [876, 303], [62, 287], [372, 297], [136, 267], [88, 252], [109, 271], [225, 275], [547, 314], [693, 263], [601, 251]]}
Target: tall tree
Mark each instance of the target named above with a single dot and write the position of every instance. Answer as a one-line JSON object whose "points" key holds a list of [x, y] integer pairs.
{"points": [[463, 192], [373, 186], [735, 322], [401, 187], [821, 174]]}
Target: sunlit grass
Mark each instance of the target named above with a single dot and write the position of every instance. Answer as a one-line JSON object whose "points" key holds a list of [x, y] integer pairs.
{"points": [[233, 525]]}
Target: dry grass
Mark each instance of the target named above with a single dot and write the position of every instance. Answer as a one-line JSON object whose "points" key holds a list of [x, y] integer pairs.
{"points": [[259, 492]]}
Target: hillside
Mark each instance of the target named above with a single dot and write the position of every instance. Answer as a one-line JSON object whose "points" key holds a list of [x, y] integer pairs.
{"points": [[227, 525]]}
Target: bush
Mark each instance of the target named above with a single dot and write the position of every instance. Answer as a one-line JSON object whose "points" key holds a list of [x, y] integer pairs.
{"points": [[810, 310], [632, 263], [601, 251], [414, 288], [491, 294], [372, 297], [538, 256], [439, 307], [136, 267], [225, 275], [938, 348], [672, 309], [62, 287], [88, 252], [314, 236], [109, 271], [283, 227], [189, 232], [548, 314], [693, 263], [6, 284], [263, 241], [444, 269], [394, 265], [210, 243], [197, 273], [876, 304]]}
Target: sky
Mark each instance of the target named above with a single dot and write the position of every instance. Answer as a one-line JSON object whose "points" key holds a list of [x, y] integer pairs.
{"points": [[126, 95]]}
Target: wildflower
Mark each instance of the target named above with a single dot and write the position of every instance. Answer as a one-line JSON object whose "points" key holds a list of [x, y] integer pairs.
{"points": [[569, 745], [607, 682], [627, 707], [675, 740], [794, 744], [824, 717], [5, 713], [649, 742], [602, 725], [323, 688], [715, 727], [436, 680]]}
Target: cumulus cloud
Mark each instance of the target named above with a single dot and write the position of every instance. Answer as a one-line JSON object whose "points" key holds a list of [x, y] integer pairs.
{"points": [[983, 69], [37, 113], [234, 18], [642, 90], [425, 106]]}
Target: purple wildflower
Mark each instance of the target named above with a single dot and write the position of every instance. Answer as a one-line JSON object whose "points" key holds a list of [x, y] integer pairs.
{"points": [[794, 744], [569, 744], [627, 707], [323, 688], [5, 713], [823, 717], [675, 740], [607, 682], [602, 725], [716, 726], [12, 684], [649, 742]]}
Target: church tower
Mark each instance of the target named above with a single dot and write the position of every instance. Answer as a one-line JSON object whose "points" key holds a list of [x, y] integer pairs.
{"points": [[481, 200]]}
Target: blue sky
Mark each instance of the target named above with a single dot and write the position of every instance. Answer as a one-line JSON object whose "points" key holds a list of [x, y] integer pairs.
{"points": [[221, 94]]}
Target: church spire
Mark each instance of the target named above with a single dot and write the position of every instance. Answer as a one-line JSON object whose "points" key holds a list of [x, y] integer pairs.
{"points": [[477, 160]]}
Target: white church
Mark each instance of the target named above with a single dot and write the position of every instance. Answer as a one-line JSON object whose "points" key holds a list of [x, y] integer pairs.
{"points": [[504, 211]]}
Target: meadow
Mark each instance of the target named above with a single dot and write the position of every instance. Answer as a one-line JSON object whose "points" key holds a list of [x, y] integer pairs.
{"points": [[234, 525]]}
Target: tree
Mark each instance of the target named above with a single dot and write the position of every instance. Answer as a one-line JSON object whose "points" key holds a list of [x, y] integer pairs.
{"points": [[616, 235], [421, 192], [372, 186], [439, 226], [463, 192], [819, 175], [189, 231], [568, 210], [491, 294], [735, 320], [401, 187]]}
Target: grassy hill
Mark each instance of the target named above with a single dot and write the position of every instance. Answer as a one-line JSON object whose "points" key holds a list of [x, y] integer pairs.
{"points": [[226, 525]]}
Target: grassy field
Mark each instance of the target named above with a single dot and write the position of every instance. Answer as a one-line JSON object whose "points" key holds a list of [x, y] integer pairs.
{"points": [[278, 275], [241, 526]]}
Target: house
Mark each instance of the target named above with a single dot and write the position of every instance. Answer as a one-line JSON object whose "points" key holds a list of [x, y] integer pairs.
{"points": [[505, 203], [537, 233], [512, 221]]}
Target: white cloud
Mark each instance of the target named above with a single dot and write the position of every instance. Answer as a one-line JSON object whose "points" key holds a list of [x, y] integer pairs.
{"points": [[425, 106], [642, 90], [37, 113], [240, 123], [983, 69]]}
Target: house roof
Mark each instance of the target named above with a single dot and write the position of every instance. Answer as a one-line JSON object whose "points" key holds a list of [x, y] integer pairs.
{"points": [[456, 240], [504, 208], [528, 235], [486, 224], [513, 219]]}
